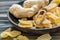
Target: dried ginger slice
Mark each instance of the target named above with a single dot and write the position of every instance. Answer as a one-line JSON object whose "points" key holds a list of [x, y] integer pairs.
{"points": [[21, 37], [55, 20], [51, 6], [39, 17], [3, 34], [44, 37], [56, 1], [57, 11], [25, 24], [47, 23], [13, 33]]}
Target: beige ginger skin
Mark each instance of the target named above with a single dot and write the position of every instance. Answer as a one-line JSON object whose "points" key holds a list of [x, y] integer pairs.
{"points": [[20, 12]]}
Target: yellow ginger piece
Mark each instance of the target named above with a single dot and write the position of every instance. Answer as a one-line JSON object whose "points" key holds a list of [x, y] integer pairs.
{"points": [[39, 17], [13, 33], [51, 6], [7, 33], [3, 34], [57, 22], [44, 37], [38, 21], [53, 18], [25, 24], [57, 11], [56, 1], [21, 37], [47, 23]]}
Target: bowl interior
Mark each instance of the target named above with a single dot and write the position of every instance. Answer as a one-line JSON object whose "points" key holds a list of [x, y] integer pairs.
{"points": [[14, 20]]}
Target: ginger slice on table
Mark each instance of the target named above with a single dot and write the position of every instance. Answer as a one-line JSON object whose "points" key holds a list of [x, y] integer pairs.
{"points": [[9, 33], [44, 37], [21, 37], [3, 34], [13, 33]]}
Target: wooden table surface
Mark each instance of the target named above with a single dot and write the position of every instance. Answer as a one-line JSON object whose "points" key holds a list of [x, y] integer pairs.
{"points": [[4, 22]]}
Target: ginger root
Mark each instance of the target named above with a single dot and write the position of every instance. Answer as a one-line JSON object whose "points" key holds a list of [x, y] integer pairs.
{"points": [[40, 3], [19, 12]]}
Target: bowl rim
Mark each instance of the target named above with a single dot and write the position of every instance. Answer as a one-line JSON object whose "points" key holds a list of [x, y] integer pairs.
{"points": [[9, 18]]}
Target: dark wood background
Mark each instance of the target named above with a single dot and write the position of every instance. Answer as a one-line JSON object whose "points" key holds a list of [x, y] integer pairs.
{"points": [[4, 22]]}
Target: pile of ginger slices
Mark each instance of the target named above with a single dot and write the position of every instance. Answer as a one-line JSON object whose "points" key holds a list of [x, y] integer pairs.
{"points": [[17, 35]]}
